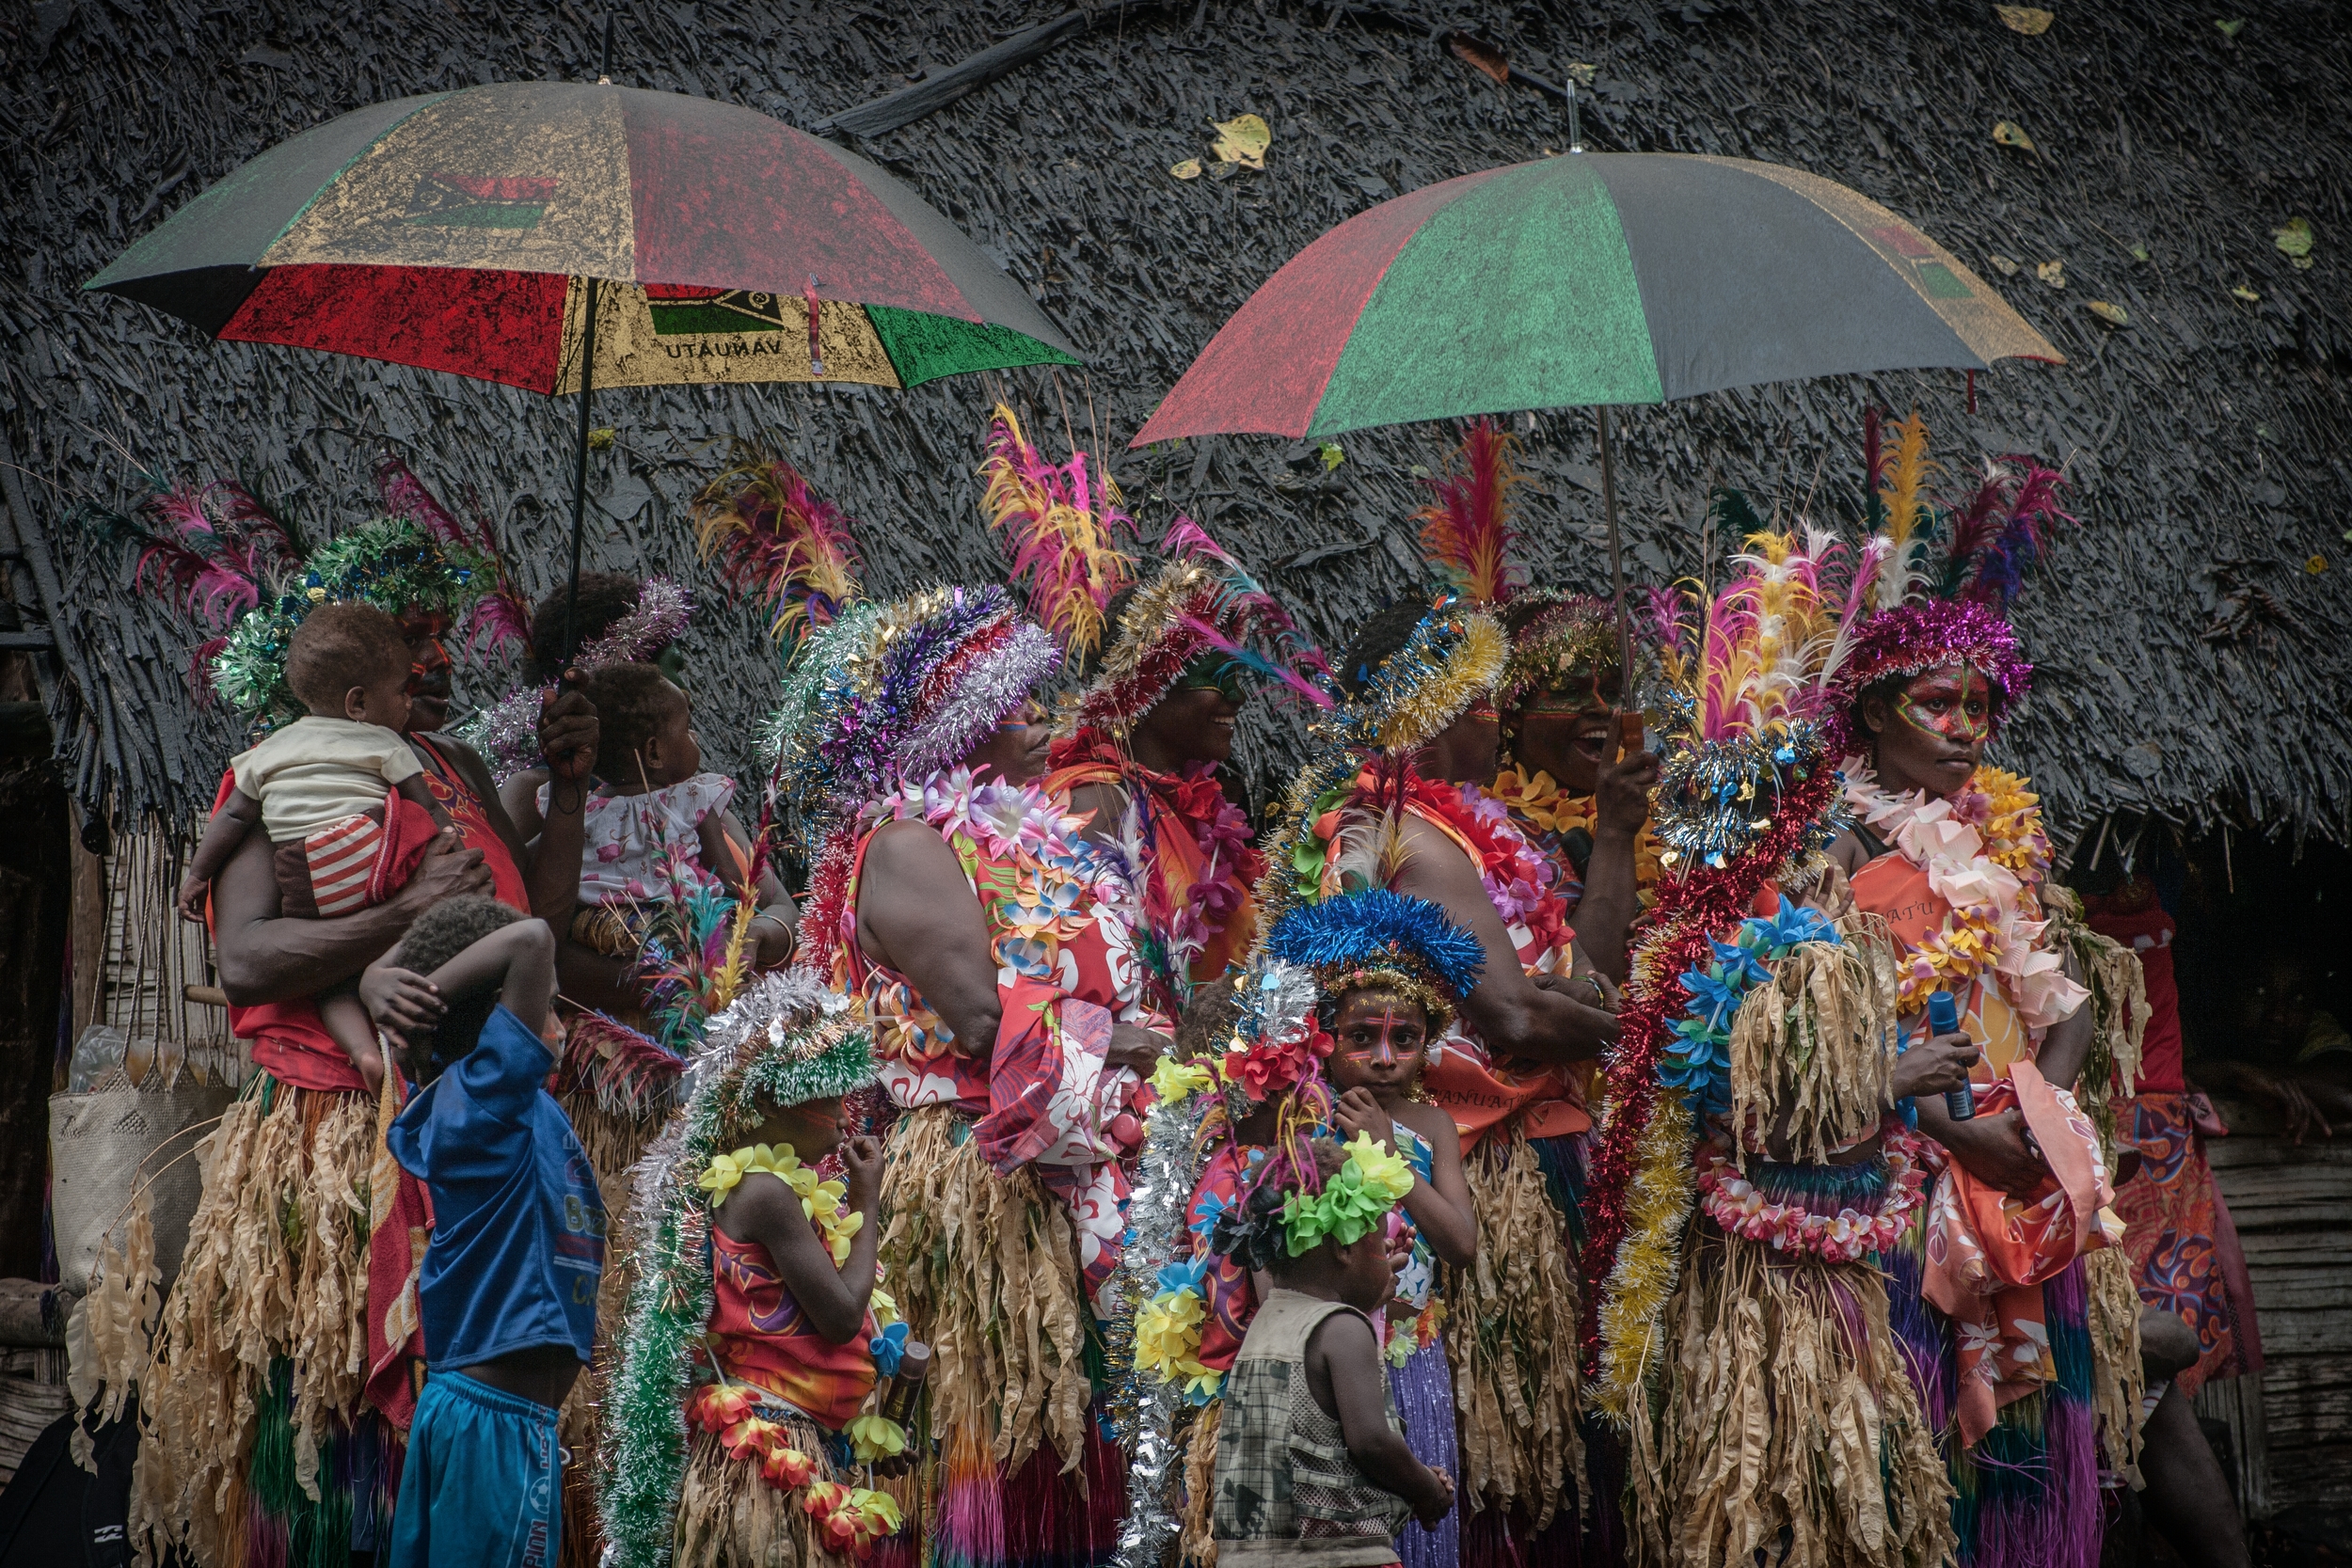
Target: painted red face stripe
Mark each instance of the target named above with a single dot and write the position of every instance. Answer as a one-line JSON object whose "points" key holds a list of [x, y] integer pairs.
{"points": [[503, 326], [1276, 356]]}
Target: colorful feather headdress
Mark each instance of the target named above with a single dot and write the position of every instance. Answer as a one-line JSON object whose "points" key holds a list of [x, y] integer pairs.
{"points": [[778, 542], [389, 562], [501, 615], [900, 691], [1466, 529], [1452, 660], [1747, 688], [785, 1041], [1062, 531], [1952, 572], [1201, 601], [212, 550], [506, 732]]}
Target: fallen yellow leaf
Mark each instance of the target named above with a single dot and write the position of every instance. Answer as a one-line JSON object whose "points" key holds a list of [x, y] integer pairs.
{"points": [[2010, 133], [1243, 140], [2002, 264], [1188, 169], [2241, 292], [2114, 315], [2052, 273], [2028, 19], [2294, 237], [2315, 565]]}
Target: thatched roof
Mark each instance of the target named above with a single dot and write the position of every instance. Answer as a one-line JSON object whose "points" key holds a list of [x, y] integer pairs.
{"points": [[2189, 664]]}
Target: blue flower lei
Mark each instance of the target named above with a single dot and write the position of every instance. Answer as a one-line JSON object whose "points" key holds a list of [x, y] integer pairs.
{"points": [[1699, 1061]]}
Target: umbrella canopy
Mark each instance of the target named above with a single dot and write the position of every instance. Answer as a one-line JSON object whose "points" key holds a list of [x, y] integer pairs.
{"points": [[460, 232], [1628, 278]]}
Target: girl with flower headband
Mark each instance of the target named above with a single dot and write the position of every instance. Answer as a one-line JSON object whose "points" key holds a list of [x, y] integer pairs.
{"points": [[1755, 1163], [756, 1332], [991, 948], [2031, 1350], [1311, 1460], [1510, 1073]]}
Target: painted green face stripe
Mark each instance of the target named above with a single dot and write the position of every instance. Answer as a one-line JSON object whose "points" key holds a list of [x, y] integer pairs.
{"points": [[1521, 295]]}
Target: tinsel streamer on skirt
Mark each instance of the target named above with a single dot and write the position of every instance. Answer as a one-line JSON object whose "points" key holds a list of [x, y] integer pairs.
{"points": [[2025, 1490], [275, 1272], [1784, 1419], [1425, 1398], [729, 1517], [1144, 1410], [1511, 1335], [985, 1270]]}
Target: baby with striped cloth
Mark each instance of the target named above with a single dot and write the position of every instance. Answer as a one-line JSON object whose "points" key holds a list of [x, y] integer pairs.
{"points": [[338, 791]]}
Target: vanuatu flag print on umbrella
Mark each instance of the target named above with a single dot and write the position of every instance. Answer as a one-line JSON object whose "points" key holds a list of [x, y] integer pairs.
{"points": [[462, 232], [1593, 278]]}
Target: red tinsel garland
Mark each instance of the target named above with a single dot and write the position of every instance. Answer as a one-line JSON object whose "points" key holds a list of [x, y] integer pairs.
{"points": [[1689, 911]]}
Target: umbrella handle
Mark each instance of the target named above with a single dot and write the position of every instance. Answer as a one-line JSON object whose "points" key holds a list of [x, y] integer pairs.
{"points": [[1616, 559], [579, 473]]}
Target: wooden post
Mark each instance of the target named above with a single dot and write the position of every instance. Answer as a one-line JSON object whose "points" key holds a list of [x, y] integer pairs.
{"points": [[89, 933]]}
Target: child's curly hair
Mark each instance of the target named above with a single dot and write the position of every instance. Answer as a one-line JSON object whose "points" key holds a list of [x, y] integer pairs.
{"points": [[439, 934]]}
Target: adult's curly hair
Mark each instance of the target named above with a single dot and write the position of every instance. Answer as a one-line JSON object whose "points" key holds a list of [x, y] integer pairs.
{"points": [[1375, 642], [439, 935], [604, 598]]}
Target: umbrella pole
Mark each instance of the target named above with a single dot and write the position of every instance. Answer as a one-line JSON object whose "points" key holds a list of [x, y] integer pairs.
{"points": [[579, 474], [1616, 560]]}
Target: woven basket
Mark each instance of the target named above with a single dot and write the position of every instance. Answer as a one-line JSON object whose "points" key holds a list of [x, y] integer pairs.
{"points": [[101, 1142]]}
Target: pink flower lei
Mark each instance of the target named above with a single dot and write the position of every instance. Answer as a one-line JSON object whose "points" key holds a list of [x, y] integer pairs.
{"points": [[1736, 1205]]}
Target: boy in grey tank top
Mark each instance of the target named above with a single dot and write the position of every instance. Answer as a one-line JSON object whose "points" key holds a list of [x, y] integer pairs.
{"points": [[1312, 1463]]}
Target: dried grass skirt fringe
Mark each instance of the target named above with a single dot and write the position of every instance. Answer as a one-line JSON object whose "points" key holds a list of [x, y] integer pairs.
{"points": [[1785, 1422]]}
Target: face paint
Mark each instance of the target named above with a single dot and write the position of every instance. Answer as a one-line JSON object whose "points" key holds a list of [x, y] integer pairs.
{"points": [[1484, 713], [1580, 690], [1384, 1041], [1955, 709], [1215, 672]]}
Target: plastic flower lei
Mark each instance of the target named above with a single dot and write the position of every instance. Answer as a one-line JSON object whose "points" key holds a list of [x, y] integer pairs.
{"points": [[1699, 1062], [821, 1201]]}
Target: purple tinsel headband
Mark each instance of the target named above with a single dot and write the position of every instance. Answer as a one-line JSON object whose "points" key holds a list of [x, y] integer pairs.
{"points": [[506, 733], [1903, 642]]}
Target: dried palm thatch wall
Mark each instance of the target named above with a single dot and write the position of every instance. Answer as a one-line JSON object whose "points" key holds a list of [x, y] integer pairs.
{"points": [[2189, 664]]}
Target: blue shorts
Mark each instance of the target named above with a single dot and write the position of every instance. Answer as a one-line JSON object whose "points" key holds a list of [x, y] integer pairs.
{"points": [[484, 1484]]}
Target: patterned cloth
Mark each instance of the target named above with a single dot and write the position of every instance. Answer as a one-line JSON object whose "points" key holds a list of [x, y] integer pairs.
{"points": [[762, 1338], [1283, 1472], [2177, 1230], [1057, 923], [630, 842], [1187, 853], [1233, 1298]]}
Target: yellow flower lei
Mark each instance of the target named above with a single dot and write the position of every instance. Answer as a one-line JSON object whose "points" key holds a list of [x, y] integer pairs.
{"points": [[1545, 802], [1956, 955], [821, 1201]]}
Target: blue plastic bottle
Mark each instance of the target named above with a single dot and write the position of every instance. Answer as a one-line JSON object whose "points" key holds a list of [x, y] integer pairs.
{"points": [[1943, 1019]]}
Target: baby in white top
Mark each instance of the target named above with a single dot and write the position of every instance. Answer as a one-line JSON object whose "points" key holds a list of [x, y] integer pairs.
{"points": [[339, 792], [654, 813]]}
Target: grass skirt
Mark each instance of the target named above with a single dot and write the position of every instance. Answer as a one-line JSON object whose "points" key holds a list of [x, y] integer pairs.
{"points": [[256, 1449], [1784, 1424], [985, 1270], [728, 1517], [1511, 1335]]}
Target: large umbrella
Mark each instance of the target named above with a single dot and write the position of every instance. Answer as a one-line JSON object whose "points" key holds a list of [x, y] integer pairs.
{"points": [[1593, 278], [496, 231]]}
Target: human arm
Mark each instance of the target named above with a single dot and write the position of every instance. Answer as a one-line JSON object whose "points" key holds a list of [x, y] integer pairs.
{"points": [[1346, 1378], [520, 795], [2067, 1045], [1441, 1210], [1604, 916], [764, 1210], [726, 853], [916, 914], [1991, 1148], [1104, 806], [1937, 1064], [1513, 1015], [414, 790], [264, 955], [2299, 1109], [239, 815]]}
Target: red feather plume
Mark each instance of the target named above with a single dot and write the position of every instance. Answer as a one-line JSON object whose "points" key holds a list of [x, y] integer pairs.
{"points": [[1466, 529]]}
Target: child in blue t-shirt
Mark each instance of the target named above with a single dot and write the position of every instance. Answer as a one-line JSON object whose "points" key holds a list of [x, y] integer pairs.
{"points": [[508, 1294]]}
